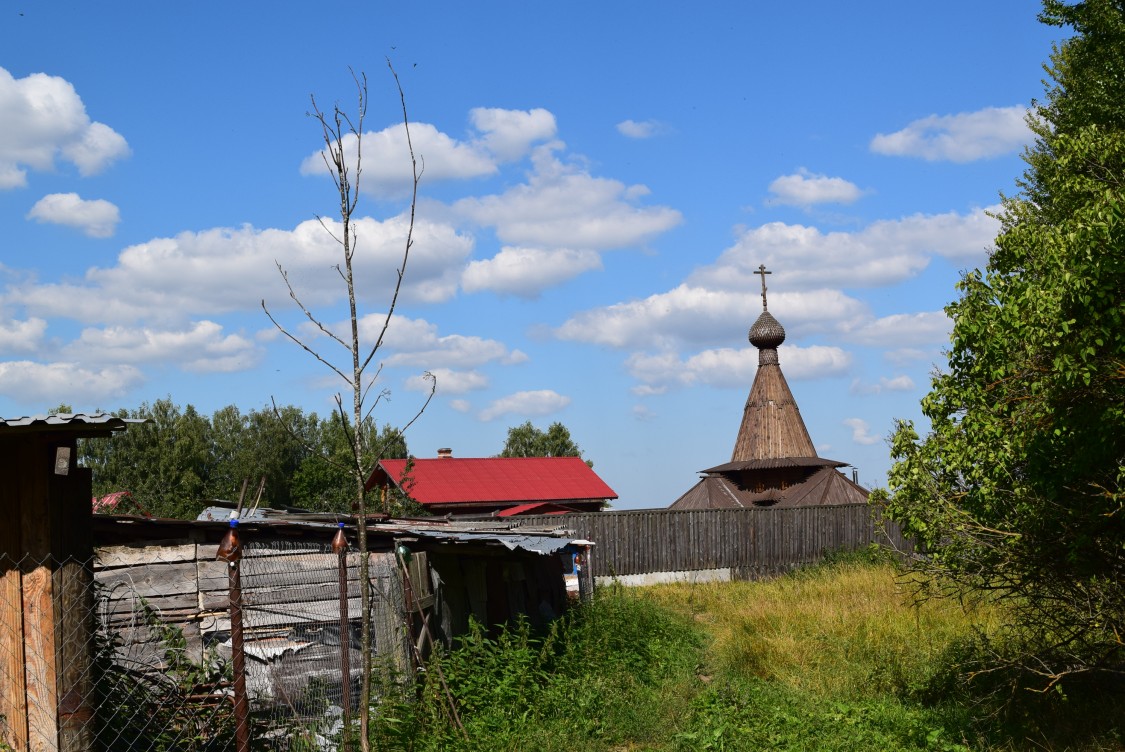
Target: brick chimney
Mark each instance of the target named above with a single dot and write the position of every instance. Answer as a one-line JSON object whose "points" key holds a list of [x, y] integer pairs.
{"points": [[445, 453]]}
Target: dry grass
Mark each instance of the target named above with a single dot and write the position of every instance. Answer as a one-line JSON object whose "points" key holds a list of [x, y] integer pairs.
{"points": [[853, 630]]}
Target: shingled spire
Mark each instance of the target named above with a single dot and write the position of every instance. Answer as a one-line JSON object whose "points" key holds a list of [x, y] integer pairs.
{"points": [[772, 427]]}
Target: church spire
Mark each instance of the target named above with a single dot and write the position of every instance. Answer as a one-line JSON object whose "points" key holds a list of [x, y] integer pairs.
{"points": [[772, 427]]}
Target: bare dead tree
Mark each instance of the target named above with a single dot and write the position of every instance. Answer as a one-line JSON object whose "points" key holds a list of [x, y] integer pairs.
{"points": [[337, 129]]}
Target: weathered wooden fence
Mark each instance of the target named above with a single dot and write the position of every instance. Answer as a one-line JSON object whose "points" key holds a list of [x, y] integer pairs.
{"points": [[749, 542]]}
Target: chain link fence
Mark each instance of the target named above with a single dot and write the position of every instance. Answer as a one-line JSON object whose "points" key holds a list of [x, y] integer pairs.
{"points": [[166, 647]]}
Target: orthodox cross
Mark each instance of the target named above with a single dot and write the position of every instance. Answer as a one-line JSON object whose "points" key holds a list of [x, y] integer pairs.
{"points": [[762, 271]]}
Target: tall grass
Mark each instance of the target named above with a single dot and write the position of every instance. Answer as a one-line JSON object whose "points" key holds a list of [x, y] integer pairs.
{"points": [[849, 629], [837, 657]]}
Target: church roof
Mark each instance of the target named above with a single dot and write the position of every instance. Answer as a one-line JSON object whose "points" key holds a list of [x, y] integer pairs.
{"points": [[772, 427], [774, 463], [823, 486]]}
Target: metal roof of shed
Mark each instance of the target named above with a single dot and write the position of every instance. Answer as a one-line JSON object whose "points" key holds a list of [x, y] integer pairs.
{"points": [[81, 423]]}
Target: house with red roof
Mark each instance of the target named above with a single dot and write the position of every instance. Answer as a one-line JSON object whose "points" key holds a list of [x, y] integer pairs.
{"points": [[500, 486]]}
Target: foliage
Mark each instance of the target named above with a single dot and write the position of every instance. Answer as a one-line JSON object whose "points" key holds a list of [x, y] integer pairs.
{"points": [[602, 675], [177, 459], [848, 662], [526, 440], [1017, 490]]}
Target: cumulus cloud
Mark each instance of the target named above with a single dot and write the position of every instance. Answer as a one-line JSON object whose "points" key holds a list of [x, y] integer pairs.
{"points": [[42, 119], [97, 218], [691, 315], [386, 158], [526, 272], [861, 432], [882, 253], [964, 137], [500, 136], [526, 404], [53, 383], [449, 381], [416, 342], [731, 368], [509, 134], [901, 383], [201, 348], [901, 329], [21, 336], [643, 413], [641, 128], [562, 206], [204, 274], [805, 189]]}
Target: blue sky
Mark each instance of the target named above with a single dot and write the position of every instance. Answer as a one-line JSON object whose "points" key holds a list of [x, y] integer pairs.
{"points": [[601, 179]]}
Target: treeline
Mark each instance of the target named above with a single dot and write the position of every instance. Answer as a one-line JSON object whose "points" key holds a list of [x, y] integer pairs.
{"points": [[178, 460]]}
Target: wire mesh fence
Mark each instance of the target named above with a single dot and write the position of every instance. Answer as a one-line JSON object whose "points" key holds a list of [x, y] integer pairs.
{"points": [[167, 647]]}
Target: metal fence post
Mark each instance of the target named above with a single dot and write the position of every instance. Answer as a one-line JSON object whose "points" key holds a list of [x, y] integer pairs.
{"points": [[230, 551], [340, 547]]}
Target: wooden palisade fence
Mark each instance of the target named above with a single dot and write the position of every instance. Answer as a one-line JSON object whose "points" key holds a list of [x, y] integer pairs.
{"points": [[749, 542]]}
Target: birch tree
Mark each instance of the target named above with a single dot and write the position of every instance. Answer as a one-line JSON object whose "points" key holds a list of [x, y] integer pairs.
{"points": [[348, 357]]}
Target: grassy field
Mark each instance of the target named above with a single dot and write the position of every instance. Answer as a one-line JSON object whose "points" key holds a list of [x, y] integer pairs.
{"points": [[836, 657]]}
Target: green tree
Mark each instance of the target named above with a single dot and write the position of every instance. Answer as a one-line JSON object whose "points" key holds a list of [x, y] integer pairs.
{"points": [[525, 440], [1017, 489], [323, 480], [270, 442], [164, 462]]}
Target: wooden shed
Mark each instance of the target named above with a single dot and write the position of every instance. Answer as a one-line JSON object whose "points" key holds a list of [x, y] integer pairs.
{"points": [[45, 552]]}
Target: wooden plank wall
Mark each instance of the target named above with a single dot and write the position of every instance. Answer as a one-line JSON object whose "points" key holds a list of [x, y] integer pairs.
{"points": [[291, 608], [752, 542]]}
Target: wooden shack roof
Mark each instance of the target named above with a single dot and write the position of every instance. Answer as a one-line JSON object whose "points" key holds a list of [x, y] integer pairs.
{"points": [[75, 424]]}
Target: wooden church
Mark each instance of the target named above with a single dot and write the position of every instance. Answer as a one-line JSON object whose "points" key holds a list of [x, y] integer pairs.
{"points": [[774, 463]]}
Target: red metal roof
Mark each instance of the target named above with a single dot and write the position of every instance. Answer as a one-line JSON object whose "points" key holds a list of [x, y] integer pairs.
{"points": [[498, 479]]}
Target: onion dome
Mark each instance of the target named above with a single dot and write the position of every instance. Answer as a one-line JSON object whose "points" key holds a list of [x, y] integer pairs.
{"points": [[767, 332]]}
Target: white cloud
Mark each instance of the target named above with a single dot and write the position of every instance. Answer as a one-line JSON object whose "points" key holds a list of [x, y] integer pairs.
{"points": [[526, 272], [690, 315], [509, 134], [52, 383], [727, 367], [202, 348], [42, 119], [449, 381], [204, 274], [901, 383], [386, 158], [902, 330], [21, 336], [903, 356], [416, 342], [964, 137], [97, 218], [883, 253], [460, 405], [643, 413], [561, 206], [804, 189], [526, 404], [503, 136], [641, 128], [861, 431]]}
